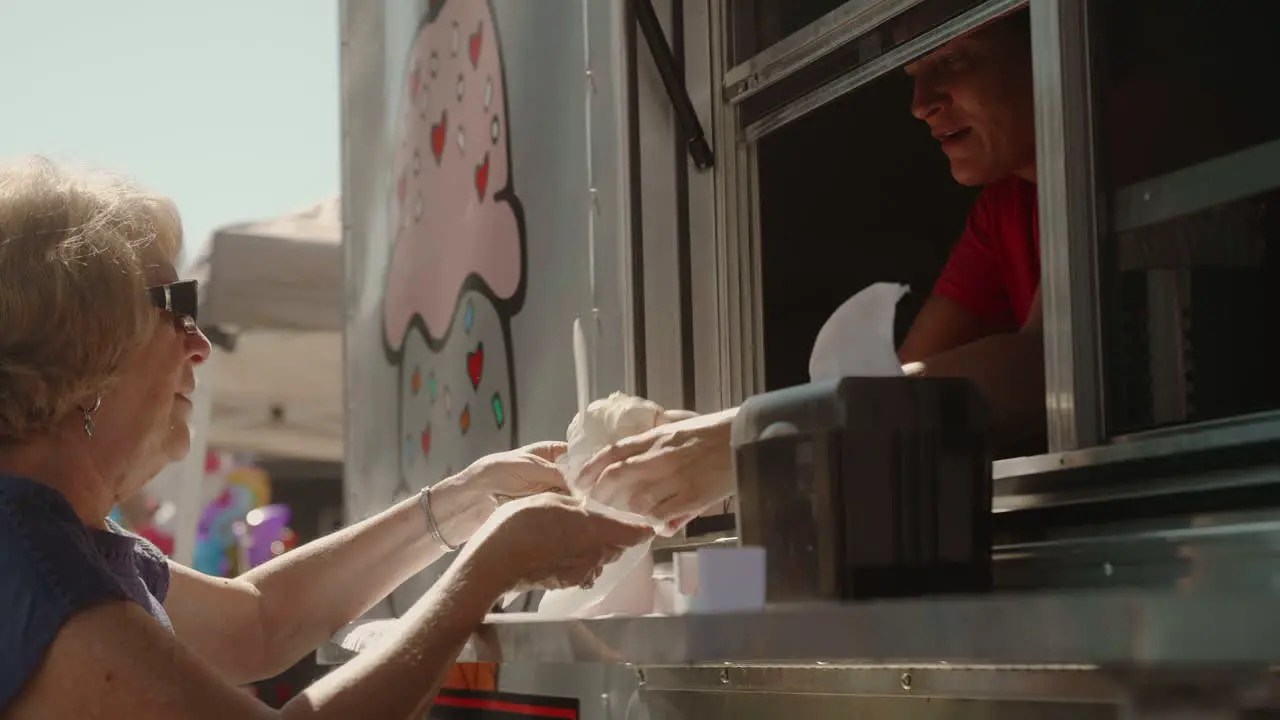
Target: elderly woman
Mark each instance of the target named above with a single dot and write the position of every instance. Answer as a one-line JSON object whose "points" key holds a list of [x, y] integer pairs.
{"points": [[98, 348]]}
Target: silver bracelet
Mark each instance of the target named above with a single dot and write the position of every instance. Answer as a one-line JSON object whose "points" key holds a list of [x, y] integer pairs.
{"points": [[425, 498]]}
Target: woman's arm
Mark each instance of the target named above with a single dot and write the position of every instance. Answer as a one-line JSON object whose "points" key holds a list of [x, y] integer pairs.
{"points": [[113, 660], [261, 623], [401, 679]]}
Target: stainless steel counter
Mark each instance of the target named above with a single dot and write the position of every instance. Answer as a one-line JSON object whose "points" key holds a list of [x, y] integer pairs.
{"points": [[1084, 630], [1143, 588]]}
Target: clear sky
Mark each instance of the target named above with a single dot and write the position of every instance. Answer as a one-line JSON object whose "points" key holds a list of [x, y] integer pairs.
{"points": [[228, 106]]}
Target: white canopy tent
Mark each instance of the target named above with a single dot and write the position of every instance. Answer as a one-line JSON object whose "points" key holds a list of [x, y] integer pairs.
{"points": [[271, 301]]}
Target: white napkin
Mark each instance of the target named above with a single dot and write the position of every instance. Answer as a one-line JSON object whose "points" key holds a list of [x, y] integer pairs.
{"points": [[857, 340]]}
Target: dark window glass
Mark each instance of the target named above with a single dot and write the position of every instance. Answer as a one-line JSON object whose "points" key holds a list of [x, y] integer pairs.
{"points": [[758, 24], [1189, 169]]}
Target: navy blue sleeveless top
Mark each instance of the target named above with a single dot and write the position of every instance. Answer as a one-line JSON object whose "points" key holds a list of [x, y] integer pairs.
{"points": [[52, 566]]}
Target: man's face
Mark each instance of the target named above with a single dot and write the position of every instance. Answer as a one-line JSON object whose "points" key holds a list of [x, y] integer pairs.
{"points": [[976, 95]]}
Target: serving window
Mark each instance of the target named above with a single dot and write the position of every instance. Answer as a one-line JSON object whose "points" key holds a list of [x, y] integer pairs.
{"points": [[844, 187], [1158, 176], [1159, 172], [852, 194]]}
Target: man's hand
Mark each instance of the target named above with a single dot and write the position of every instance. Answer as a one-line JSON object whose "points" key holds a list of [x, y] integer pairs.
{"points": [[670, 473]]}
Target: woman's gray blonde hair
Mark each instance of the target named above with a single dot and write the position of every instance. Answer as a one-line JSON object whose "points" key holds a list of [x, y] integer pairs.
{"points": [[73, 303]]}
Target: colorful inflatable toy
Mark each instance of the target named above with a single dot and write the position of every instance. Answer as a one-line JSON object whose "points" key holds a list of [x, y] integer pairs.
{"points": [[240, 528]]}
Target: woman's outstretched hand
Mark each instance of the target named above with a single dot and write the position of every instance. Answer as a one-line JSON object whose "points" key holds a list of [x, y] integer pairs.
{"points": [[519, 473], [463, 502]]}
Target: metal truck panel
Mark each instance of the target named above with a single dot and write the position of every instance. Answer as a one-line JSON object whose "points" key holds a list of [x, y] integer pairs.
{"points": [[484, 173]]}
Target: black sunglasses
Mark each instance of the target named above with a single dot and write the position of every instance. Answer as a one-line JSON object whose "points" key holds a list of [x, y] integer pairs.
{"points": [[179, 298]]}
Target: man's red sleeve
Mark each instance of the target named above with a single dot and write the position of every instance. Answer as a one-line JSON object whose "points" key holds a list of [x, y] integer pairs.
{"points": [[973, 278]]}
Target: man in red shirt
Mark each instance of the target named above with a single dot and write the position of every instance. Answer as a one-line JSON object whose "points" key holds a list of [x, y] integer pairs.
{"points": [[982, 320]]}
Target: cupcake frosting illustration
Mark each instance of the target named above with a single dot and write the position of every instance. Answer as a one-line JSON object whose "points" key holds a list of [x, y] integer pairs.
{"points": [[456, 273]]}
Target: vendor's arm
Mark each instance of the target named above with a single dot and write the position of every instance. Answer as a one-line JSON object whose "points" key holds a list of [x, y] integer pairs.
{"points": [[942, 325], [1007, 368], [259, 624], [971, 325]]}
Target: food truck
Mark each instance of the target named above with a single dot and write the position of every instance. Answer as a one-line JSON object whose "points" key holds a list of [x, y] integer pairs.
{"points": [[698, 184]]}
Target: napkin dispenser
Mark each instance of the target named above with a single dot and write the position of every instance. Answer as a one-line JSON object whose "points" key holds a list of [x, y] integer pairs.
{"points": [[867, 487]]}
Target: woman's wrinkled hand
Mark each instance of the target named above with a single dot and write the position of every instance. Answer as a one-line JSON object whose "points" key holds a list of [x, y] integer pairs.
{"points": [[463, 502], [550, 542], [518, 473], [670, 473]]}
